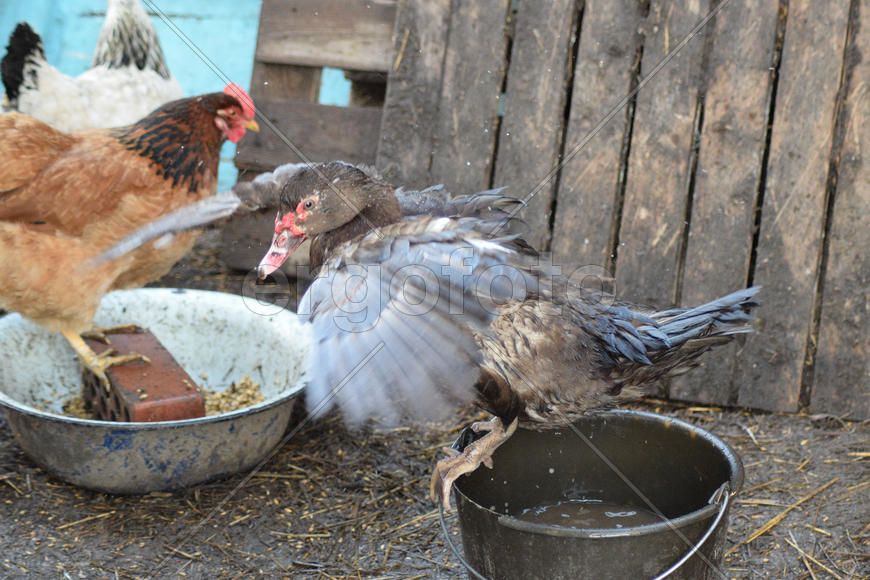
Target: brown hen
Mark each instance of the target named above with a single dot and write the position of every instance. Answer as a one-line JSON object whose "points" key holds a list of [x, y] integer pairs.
{"points": [[66, 197]]}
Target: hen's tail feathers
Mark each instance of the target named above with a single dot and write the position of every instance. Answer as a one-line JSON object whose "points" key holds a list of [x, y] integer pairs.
{"points": [[192, 216], [668, 343], [25, 47], [128, 38]]}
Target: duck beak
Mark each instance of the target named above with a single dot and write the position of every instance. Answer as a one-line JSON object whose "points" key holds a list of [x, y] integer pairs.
{"points": [[252, 126], [283, 244]]}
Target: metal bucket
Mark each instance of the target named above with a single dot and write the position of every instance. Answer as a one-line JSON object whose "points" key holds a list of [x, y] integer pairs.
{"points": [[656, 463]]}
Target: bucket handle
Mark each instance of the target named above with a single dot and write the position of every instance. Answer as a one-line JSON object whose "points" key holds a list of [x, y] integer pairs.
{"points": [[722, 496], [454, 548]]}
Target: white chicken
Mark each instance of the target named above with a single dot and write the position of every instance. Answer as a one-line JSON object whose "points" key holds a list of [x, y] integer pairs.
{"points": [[127, 80]]}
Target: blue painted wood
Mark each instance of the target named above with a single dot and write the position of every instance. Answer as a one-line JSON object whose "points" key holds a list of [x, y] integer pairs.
{"points": [[225, 31]]}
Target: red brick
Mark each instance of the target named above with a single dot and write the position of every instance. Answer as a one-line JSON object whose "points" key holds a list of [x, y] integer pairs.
{"points": [[157, 391]]}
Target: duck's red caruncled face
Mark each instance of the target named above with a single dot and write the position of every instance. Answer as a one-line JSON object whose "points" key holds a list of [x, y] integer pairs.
{"points": [[288, 223], [288, 236]]}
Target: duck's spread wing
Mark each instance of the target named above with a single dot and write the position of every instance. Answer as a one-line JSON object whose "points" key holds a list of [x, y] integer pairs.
{"points": [[394, 318], [191, 216], [262, 192]]}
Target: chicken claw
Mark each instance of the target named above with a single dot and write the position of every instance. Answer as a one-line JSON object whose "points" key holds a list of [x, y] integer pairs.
{"points": [[99, 333], [98, 363], [479, 452]]}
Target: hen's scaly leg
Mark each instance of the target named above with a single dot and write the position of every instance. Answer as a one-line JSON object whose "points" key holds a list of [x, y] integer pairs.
{"points": [[98, 363], [449, 469]]}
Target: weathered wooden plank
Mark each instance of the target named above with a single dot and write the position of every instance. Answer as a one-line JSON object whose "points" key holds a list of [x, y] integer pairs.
{"points": [[276, 81], [347, 35], [285, 81], [729, 169], [842, 373], [790, 239], [585, 201], [321, 132], [531, 129], [413, 91], [657, 183], [474, 68]]}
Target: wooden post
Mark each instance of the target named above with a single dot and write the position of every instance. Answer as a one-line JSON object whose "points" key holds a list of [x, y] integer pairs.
{"points": [[733, 138], [531, 130], [770, 370], [841, 384], [474, 68], [413, 91], [656, 193], [589, 185], [296, 39]]}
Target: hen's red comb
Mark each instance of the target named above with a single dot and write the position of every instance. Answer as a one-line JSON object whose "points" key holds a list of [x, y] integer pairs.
{"points": [[244, 98]]}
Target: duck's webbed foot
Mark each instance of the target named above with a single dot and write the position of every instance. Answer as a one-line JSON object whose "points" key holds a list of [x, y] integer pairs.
{"points": [[459, 463]]}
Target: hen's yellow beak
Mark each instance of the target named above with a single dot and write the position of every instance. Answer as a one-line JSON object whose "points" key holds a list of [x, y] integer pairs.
{"points": [[252, 126]]}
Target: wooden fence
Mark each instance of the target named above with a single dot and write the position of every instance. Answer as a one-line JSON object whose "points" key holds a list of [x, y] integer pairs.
{"points": [[738, 161]]}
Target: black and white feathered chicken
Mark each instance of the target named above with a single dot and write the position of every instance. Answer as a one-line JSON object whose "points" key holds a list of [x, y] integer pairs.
{"points": [[127, 80], [413, 314]]}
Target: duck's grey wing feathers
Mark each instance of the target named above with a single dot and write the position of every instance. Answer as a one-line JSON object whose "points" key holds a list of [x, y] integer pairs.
{"points": [[397, 313], [261, 192], [192, 216]]}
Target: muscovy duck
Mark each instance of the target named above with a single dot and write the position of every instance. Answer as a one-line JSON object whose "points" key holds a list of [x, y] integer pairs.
{"points": [[413, 314]]}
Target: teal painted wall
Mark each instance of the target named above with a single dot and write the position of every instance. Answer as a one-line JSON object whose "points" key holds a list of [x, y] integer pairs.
{"points": [[224, 30]]}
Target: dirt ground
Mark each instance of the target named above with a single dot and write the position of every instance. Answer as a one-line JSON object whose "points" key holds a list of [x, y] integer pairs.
{"points": [[331, 503]]}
